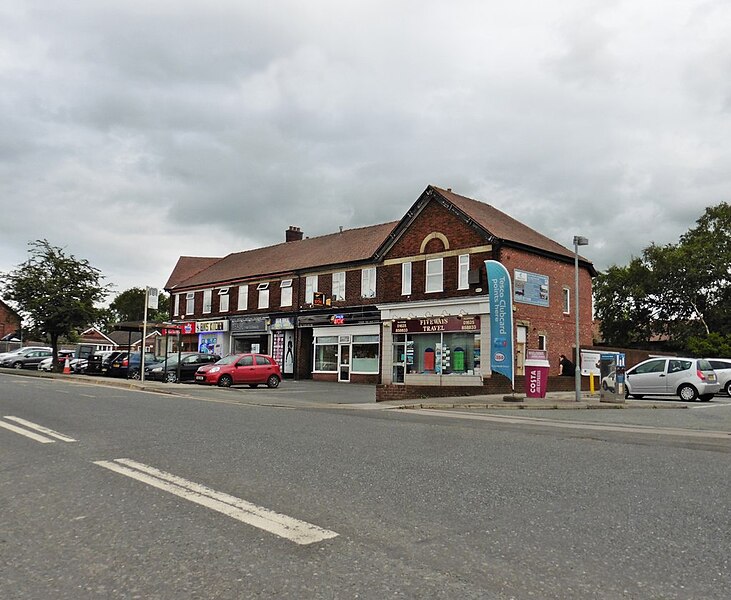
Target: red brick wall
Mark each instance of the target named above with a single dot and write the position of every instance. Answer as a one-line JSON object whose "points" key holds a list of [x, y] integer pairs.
{"points": [[9, 322]]}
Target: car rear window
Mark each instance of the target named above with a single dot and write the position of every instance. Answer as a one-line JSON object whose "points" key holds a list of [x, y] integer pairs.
{"points": [[704, 365], [262, 360]]}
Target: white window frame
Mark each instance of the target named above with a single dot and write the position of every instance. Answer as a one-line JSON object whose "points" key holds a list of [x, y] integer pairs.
{"points": [[285, 292], [338, 286], [223, 300], [542, 341], [406, 279], [243, 297], [310, 288], [434, 277], [463, 266], [176, 305], [368, 282], [189, 303], [263, 289], [207, 301], [566, 301]]}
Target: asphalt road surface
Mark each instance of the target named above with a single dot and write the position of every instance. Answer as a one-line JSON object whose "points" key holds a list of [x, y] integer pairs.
{"points": [[115, 493]]}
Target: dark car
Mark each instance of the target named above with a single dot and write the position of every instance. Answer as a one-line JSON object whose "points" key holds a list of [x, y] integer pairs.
{"points": [[106, 361], [128, 365], [188, 365], [26, 360], [235, 369]]}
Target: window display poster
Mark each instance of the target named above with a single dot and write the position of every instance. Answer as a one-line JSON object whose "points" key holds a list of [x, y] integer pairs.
{"points": [[531, 288]]}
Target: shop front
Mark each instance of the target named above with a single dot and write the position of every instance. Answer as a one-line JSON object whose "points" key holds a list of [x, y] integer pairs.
{"points": [[250, 334], [212, 336], [283, 349], [346, 353], [188, 337], [435, 343]]}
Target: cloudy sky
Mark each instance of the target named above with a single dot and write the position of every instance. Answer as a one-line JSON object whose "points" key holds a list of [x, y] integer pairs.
{"points": [[135, 132]]}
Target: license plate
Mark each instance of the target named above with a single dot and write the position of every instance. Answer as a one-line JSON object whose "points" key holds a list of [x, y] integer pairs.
{"points": [[199, 378], [712, 377]]}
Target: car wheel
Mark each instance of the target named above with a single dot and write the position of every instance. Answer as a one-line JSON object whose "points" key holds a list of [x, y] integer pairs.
{"points": [[17, 365], [171, 377], [225, 381], [604, 385], [135, 374], [687, 393], [728, 388], [705, 397], [273, 381]]}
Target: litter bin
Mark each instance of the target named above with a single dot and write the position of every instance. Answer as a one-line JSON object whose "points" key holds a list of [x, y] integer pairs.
{"points": [[536, 377]]}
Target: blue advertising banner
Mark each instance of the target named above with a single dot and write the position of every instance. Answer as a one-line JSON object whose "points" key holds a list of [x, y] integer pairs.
{"points": [[501, 320]]}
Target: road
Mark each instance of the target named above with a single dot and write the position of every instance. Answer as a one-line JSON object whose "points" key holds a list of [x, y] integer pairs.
{"points": [[265, 494]]}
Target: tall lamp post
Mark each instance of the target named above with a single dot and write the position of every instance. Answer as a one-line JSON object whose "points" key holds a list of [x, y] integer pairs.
{"points": [[578, 241]]}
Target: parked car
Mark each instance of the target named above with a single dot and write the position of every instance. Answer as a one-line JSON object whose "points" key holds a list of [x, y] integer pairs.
{"points": [[5, 355], [115, 356], [688, 378], [96, 361], [722, 367], [28, 359], [77, 365], [189, 364], [128, 365], [235, 369]]}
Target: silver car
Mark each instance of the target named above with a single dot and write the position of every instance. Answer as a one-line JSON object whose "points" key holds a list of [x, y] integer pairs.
{"points": [[688, 378], [722, 367]]}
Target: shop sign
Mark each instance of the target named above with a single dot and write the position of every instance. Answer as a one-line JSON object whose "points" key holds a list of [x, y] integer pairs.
{"points": [[282, 323], [437, 324], [248, 324], [337, 319], [211, 326], [183, 328]]}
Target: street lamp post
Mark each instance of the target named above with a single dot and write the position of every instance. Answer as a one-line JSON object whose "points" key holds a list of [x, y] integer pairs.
{"points": [[578, 241]]}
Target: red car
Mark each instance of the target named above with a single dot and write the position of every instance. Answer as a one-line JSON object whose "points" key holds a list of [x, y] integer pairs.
{"points": [[237, 369]]}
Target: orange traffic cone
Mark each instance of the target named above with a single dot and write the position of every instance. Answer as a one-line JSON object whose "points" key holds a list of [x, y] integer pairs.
{"points": [[66, 367]]}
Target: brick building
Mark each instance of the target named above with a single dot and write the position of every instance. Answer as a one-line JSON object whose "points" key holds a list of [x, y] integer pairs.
{"points": [[9, 320], [401, 304]]}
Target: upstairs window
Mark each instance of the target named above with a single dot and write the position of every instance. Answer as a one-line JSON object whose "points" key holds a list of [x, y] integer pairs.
{"points": [[310, 289], [338, 292], [223, 300], [566, 301], [176, 305], [406, 279], [464, 269], [434, 275], [189, 303], [207, 301], [285, 292], [243, 297], [263, 289], [368, 282]]}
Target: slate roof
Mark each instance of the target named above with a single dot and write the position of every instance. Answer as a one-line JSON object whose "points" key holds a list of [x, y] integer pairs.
{"points": [[347, 246], [352, 246]]}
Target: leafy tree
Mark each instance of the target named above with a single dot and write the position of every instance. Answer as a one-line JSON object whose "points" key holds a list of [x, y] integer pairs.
{"points": [[682, 290], [57, 292], [130, 306], [714, 344]]}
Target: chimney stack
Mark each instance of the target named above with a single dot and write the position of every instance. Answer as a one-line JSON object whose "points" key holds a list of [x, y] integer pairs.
{"points": [[293, 234]]}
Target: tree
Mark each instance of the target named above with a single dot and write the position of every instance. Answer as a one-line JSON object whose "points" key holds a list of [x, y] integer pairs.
{"points": [[682, 290], [130, 306], [56, 292]]}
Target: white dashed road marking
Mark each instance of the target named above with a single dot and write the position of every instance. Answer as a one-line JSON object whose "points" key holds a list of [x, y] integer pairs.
{"points": [[43, 439], [299, 532]]}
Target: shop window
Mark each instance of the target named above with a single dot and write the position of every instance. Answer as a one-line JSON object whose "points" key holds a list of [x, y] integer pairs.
{"points": [[365, 353], [338, 292], [406, 279], [464, 269], [207, 301], [326, 354], [263, 289], [223, 300], [368, 282], [434, 274], [285, 292], [566, 301], [243, 297], [189, 303], [310, 289], [447, 353]]}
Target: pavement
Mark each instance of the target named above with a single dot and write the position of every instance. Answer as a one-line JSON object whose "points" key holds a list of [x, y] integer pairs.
{"points": [[348, 394]]}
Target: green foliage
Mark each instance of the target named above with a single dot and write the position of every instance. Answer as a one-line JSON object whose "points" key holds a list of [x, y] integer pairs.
{"points": [[712, 345], [679, 290], [130, 306], [55, 291]]}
